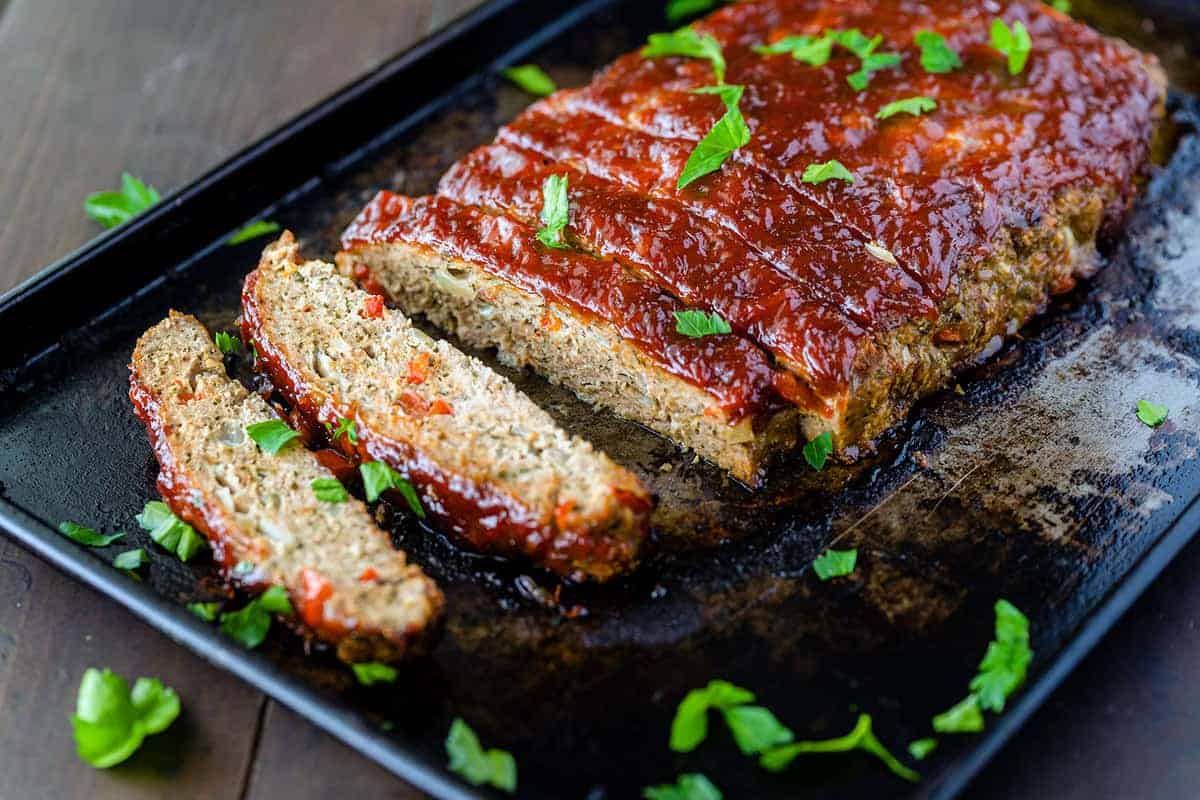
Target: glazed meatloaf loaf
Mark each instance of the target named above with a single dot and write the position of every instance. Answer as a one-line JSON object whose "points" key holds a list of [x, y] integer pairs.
{"points": [[346, 581], [894, 187], [489, 467]]}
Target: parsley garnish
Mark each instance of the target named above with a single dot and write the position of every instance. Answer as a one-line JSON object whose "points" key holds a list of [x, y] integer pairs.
{"points": [[835, 563], [870, 65], [963, 717], [169, 531], [468, 758], [754, 728], [1012, 42], [937, 57], [131, 561], [378, 477], [679, 9], [687, 42], [861, 738], [921, 748], [728, 134], [253, 230], [271, 435], [249, 626], [205, 611], [329, 490], [110, 722], [345, 427], [372, 672], [909, 105], [695, 324], [555, 211], [830, 170], [816, 451], [1152, 414], [111, 209], [689, 786], [227, 343], [812, 50], [1062, 5], [84, 535], [532, 79]]}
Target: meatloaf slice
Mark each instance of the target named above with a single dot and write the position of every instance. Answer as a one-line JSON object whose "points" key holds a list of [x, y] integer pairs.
{"points": [[346, 581], [491, 468]]}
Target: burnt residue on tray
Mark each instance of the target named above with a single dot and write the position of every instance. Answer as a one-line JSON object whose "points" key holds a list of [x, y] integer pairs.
{"points": [[1034, 482]]}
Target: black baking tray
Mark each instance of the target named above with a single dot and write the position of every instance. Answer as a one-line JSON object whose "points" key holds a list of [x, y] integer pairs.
{"points": [[1035, 482]]}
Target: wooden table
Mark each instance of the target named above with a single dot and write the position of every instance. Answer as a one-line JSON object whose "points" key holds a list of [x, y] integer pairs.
{"points": [[167, 90]]}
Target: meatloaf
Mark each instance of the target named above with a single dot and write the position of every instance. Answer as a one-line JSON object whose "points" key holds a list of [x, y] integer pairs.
{"points": [[260, 511], [846, 299], [491, 469]]}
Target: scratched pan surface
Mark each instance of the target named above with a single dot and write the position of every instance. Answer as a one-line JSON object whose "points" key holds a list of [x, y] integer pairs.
{"points": [[1036, 484]]}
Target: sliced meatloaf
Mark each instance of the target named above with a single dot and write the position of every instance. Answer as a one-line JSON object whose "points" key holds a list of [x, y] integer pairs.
{"points": [[346, 581], [491, 468], [862, 295]]}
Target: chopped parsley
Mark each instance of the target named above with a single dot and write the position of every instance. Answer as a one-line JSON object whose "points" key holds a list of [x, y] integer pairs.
{"points": [[205, 611], [860, 738], [909, 105], [1014, 43], [378, 477], [963, 717], [812, 50], [532, 79], [937, 57], [1000, 673], [555, 211], [1063, 6], [260, 227], [345, 427], [678, 10], [689, 786], [830, 170], [111, 209], [754, 728], [468, 758], [835, 563], [329, 490], [88, 536], [816, 451], [372, 672], [131, 561], [110, 721], [1152, 414], [871, 64], [249, 626], [816, 51], [728, 134], [271, 435], [921, 748], [690, 43], [695, 324], [227, 343], [169, 531]]}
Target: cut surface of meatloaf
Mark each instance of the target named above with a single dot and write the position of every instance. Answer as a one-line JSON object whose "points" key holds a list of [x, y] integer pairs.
{"points": [[491, 468], [862, 295], [346, 581]]}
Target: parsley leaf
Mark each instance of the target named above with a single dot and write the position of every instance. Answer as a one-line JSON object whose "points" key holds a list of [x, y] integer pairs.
{"points": [[468, 758], [817, 450], [329, 490], [856, 42], [555, 211], [679, 9], [249, 625], [532, 79], [963, 717], [227, 343], [728, 134], [830, 170], [755, 729], [689, 786], [909, 105], [687, 42], [205, 611], [169, 531], [812, 50], [921, 748], [835, 563], [111, 209], [695, 324], [690, 726], [1006, 661], [252, 231], [271, 435], [110, 722], [1152, 414], [378, 477], [1012, 42], [1063, 6], [345, 427], [860, 738], [372, 672], [84, 535], [937, 57], [870, 65], [131, 560]]}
